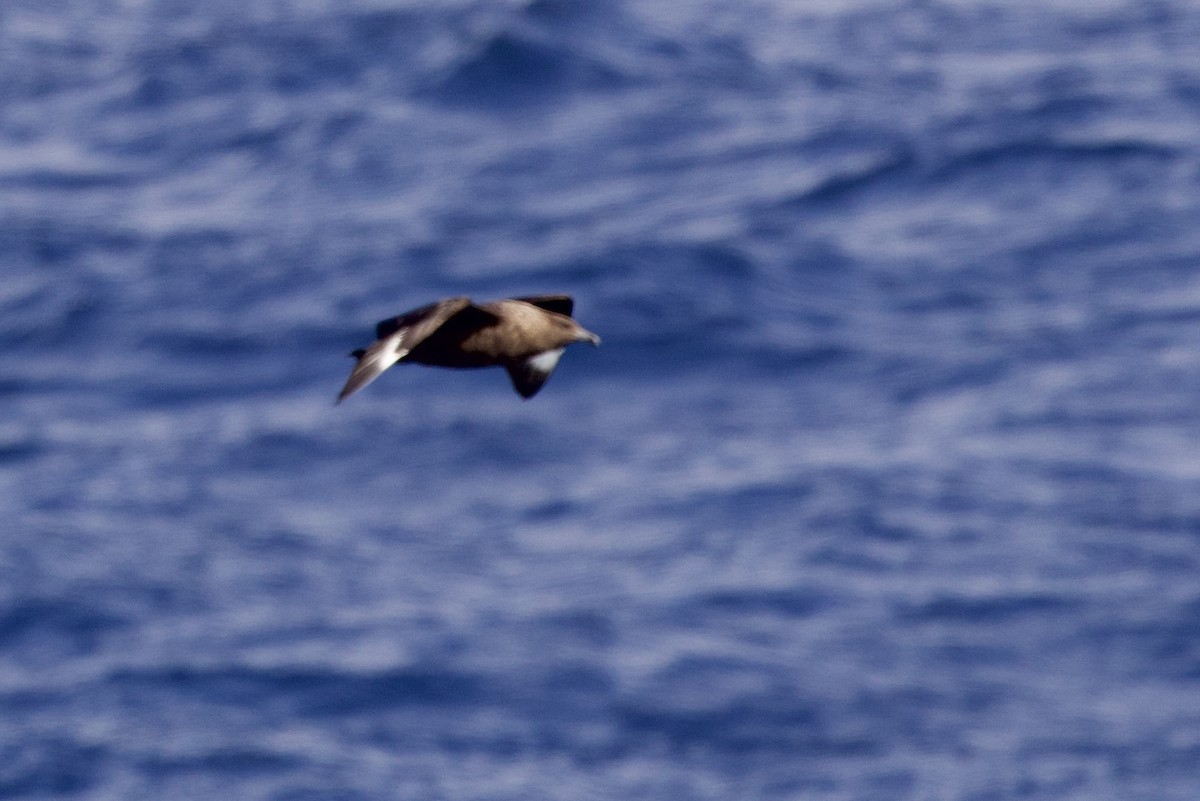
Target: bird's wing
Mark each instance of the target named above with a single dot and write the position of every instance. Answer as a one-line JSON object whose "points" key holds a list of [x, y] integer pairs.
{"points": [[421, 322], [529, 375], [397, 336], [563, 304]]}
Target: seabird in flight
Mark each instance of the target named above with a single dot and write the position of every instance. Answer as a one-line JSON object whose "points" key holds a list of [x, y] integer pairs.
{"points": [[525, 336]]}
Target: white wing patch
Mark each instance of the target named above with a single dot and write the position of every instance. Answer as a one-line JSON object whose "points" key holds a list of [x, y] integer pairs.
{"points": [[376, 358], [544, 363], [529, 375]]}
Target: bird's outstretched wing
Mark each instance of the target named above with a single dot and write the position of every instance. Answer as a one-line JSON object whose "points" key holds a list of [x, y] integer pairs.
{"points": [[562, 304], [396, 337], [423, 321], [529, 375]]}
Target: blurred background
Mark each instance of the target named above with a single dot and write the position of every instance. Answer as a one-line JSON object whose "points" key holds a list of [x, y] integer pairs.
{"points": [[884, 484]]}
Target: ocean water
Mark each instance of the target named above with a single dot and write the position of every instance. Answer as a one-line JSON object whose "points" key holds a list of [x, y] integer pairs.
{"points": [[885, 483]]}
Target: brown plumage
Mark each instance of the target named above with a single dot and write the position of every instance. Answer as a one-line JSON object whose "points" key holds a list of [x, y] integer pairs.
{"points": [[525, 336]]}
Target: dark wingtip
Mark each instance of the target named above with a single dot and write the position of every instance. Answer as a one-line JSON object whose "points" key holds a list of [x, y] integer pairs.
{"points": [[357, 353], [345, 393]]}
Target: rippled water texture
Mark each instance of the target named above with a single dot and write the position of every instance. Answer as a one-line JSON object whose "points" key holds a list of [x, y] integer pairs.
{"points": [[884, 484]]}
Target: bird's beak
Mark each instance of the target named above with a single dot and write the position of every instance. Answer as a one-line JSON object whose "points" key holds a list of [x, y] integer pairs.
{"points": [[592, 338]]}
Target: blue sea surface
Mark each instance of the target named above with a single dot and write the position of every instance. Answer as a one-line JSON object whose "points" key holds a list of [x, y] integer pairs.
{"points": [[884, 485]]}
